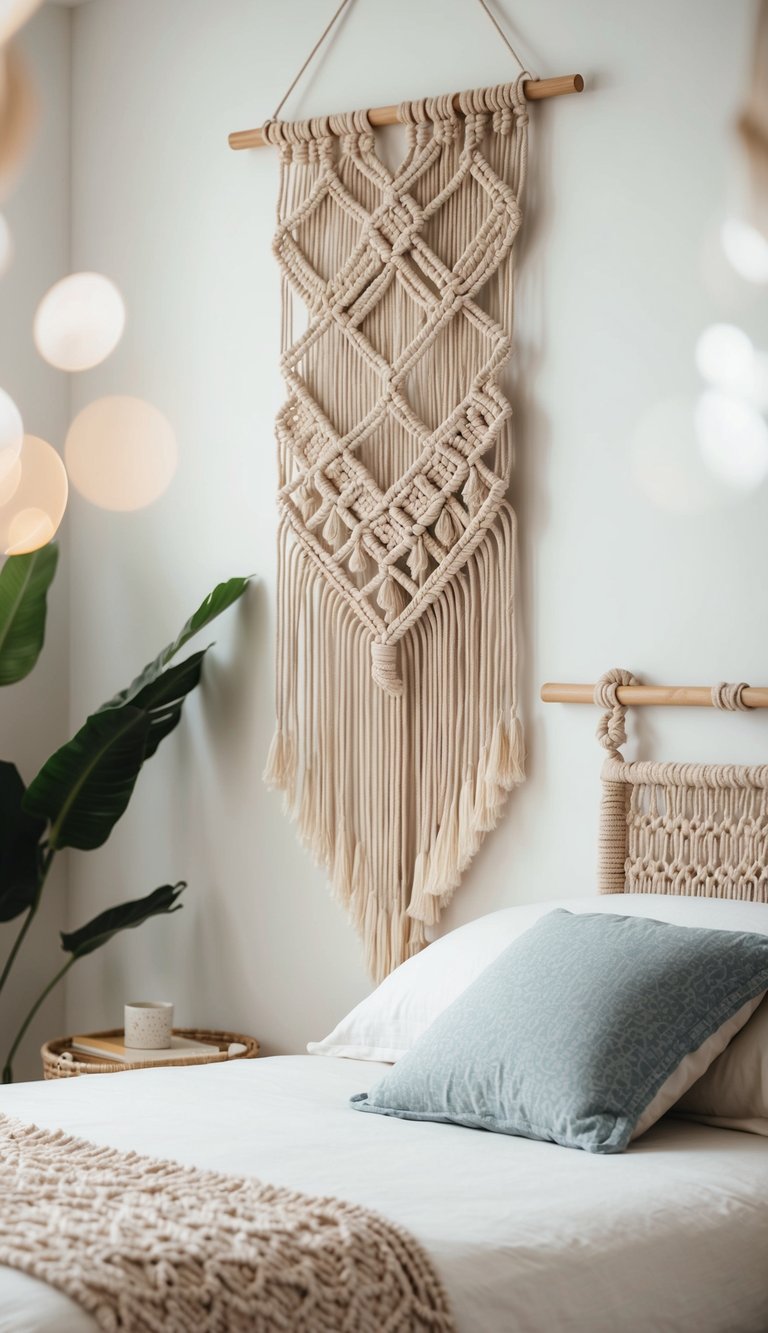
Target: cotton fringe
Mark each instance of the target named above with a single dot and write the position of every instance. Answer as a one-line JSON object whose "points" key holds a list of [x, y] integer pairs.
{"points": [[397, 737]]}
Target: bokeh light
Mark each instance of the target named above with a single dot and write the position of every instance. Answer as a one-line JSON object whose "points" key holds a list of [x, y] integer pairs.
{"points": [[733, 440], [79, 322], [746, 249], [6, 246], [31, 515], [11, 435], [121, 453], [725, 358]]}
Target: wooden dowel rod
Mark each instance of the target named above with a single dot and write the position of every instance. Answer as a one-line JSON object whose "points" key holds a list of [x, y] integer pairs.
{"points": [[535, 91], [668, 696]]}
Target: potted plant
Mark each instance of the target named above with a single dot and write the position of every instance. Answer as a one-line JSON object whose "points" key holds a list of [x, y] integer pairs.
{"points": [[84, 788]]}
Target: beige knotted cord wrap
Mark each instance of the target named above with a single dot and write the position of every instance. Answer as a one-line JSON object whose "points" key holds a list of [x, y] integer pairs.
{"points": [[730, 698], [397, 736], [695, 829]]}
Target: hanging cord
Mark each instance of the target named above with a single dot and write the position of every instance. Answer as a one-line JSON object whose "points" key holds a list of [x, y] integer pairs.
{"points": [[337, 16], [310, 58], [503, 36]]}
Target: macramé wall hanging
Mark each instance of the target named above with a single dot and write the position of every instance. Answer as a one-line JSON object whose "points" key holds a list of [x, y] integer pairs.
{"points": [[694, 829], [397, 737]]}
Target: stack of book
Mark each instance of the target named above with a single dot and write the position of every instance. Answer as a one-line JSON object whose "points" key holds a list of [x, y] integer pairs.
{"points": [[112, 1048]]}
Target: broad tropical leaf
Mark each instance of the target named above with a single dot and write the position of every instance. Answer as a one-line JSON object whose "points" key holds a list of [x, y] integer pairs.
{"points": [[84, 787], [222, 597], [24, 583], [20, 835], [161, 902], [163, 698]]}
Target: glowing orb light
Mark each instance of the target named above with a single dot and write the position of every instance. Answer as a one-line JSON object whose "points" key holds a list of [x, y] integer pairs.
{"points": [[30, 516], [746, 249], [733, 439], [121, 453], [79, 322], [726, 358]]}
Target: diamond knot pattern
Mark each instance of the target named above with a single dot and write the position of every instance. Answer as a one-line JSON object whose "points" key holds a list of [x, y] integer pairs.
{"points": [[394, 414]]}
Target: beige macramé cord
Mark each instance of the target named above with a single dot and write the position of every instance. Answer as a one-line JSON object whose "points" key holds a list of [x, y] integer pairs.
{"points": [[397, 737], [696, 829], [150, 1246]]}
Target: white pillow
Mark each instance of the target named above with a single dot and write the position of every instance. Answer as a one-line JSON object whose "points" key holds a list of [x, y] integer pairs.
{"points": [[733, 1093], [390, 1021]]}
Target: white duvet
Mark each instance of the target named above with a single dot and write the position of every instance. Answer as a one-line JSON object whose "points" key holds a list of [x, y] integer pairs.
{"points": [[528, 1237]]}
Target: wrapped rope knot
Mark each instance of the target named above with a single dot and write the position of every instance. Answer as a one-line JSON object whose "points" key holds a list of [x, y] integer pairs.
{"points": [[611, 729], [385, 668], [730, 698]]}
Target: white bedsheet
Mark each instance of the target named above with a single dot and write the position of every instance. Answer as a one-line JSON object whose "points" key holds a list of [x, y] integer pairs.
{"points": [[528, 1237]]}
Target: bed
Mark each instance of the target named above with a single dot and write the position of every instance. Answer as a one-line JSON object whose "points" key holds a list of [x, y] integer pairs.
{"points": [[526, 1236], [676, 1231]]}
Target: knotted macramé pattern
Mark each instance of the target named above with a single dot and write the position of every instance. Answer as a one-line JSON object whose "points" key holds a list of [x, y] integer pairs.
{"points": [[696, 829], [397, 737], [149, 1246]]}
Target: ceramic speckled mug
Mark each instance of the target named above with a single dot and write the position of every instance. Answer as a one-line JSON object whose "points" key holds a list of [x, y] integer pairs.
{"points": [[148, 1025]]}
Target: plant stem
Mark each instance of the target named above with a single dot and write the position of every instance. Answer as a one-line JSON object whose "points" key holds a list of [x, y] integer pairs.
{"points": [[8, 1067], [45, 865]]}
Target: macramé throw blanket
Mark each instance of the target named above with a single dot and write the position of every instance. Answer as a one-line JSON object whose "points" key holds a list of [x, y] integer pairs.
{"points": [[153, 1247], [397, 739]]}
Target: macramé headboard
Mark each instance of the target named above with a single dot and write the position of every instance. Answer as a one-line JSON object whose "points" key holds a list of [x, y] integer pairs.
{"points": [[697, 829]]}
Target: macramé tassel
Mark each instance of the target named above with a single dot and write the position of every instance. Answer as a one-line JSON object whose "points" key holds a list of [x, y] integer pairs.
{"points": [[280, 768], [333, 529], [474, 492], [469, 834], [489, 797], [307, 500], [445, 527], [391, 597], [444, 862], [360, 561], [418, 560], [423, 906], [342, 865]]}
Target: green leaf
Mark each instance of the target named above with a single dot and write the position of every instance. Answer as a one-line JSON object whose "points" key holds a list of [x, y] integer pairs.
{"points": [[222, 597], [20, 835], [161, 902], [24, 582], [84, 787], [162, 699]]}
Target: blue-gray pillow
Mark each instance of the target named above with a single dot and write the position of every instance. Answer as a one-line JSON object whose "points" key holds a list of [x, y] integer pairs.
{"points": [[583, 1031]]}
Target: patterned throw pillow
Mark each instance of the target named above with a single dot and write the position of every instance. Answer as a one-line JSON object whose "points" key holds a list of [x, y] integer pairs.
{"points": [[583, 1031]]}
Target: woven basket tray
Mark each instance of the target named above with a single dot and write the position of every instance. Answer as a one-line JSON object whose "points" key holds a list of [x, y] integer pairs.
{"points": [[55, 1067]]}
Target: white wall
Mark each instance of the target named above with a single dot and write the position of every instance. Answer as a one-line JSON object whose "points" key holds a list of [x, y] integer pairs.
{"points": [[627, 184], [33, 714]]}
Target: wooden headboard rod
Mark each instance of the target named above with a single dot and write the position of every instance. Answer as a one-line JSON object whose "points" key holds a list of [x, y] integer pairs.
{"points": [[667, 696]]}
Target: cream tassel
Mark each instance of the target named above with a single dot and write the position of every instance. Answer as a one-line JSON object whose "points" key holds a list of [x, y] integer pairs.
{"points": [[424, 906], [333, 529], [391, 597], [469, 834], [445, 527], [360, 562], [418, 560], [280, 768]]}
